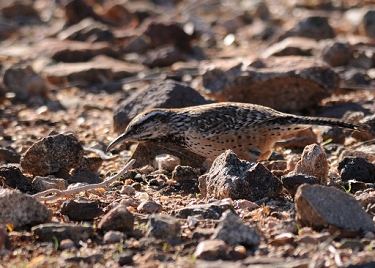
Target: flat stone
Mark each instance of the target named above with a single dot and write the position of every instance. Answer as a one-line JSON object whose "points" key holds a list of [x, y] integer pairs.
{"points": [[50, 231], [165, 94], [271, 83], [52, 154], [163, 227], [212, 210], [321, 206], [233, 231], [230, 177], [81, 210], [20, 210], [117, 219], [291, 182]]}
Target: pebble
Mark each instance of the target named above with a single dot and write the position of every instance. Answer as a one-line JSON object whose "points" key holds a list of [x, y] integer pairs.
{"points": [[128, 190], [112, 237], [149, 207]]}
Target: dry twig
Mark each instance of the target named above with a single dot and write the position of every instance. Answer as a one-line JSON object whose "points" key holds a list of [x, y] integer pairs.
{"points": [[56, 194]]}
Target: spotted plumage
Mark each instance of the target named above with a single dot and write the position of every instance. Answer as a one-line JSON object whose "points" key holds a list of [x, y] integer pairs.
{"points": [[208, 130]]}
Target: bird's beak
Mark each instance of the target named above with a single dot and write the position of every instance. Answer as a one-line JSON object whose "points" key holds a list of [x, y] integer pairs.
{"points": [[120, 139]]}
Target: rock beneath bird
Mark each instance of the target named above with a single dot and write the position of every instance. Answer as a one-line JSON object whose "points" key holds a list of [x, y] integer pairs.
{"points": [[230, 177]]}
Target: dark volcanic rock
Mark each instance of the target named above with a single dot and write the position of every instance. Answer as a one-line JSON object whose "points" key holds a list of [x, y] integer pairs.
{"points": [[321, 206], [165, 94], [15, 179], [307, 80], [52, 154], [291, 182], [356, 168], [81, 210], [238, 179], [9, 155]]}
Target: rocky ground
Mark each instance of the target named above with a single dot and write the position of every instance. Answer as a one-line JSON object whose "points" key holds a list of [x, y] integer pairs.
{"points": [[73, 75]]}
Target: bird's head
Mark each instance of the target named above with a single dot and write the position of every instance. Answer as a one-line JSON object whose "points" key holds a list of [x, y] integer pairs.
{"points": [[149, 125]]}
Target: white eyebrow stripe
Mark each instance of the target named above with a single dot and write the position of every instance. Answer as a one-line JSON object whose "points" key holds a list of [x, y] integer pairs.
{"points": [[144, 117]]}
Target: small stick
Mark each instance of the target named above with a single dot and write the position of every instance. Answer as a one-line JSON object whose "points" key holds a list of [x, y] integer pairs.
{"points": [[59, 193]]}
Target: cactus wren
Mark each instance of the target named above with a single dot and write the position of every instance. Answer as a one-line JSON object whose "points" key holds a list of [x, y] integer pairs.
{"points": [[208, 130]]}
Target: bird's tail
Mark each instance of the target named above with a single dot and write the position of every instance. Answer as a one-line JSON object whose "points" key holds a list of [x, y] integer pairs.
{"points": [[305, 120]]}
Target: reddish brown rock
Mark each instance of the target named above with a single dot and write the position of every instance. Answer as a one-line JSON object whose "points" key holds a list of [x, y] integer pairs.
{"points": [[314, 163], [271, 82]]}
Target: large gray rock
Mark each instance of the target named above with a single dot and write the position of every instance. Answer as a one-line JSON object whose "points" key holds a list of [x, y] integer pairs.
{"points": [[238, 179], [283, 83], [21, 210], [321, 206]]}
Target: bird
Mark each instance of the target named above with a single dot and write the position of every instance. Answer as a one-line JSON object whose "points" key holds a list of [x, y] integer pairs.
{"points": [[249, 130]]}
